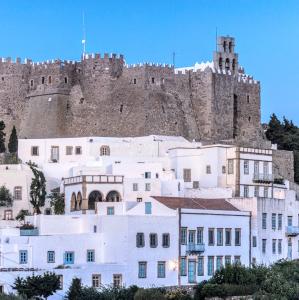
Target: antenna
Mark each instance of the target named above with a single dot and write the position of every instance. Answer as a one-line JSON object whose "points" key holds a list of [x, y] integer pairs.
{"points": [[216, 38], [84, 34], [173, 59]]}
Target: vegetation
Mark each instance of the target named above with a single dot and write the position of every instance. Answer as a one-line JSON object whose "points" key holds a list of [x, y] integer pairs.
{"points": [[11, 297], [37, 285], [22, 214], [5, 197], [13, 141], [57, 202], [37, 188], [286, 135], [2, 137]]}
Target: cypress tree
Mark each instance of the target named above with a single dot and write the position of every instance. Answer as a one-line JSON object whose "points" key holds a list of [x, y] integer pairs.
{"points": [[13, 141], [2, 137]]}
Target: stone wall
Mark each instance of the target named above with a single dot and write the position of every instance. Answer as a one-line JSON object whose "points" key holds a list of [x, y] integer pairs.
{"points": [[283, 164]]}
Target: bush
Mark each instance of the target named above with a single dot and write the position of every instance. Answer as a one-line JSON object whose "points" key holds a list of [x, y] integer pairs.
{"points": [[177, 294], [149, 294]]}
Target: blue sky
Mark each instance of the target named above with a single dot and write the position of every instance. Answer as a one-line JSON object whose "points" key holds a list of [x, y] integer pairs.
{"points": [[266, 32]]}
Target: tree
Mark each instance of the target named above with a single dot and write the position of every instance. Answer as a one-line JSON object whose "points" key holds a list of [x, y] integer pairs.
{"points": [[75, 290], [37, 285], [22, 214], [5, 197], [2, 137], [57, 202], [13, 141], [37, 188]]}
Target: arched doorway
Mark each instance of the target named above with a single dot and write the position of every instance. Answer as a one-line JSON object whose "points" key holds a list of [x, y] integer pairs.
{"points": [[73, 202], [94, 196], [79, 200], [113, 196]]}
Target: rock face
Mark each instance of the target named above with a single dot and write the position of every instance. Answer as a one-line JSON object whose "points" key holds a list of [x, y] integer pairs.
{"points": [[103, 96]]}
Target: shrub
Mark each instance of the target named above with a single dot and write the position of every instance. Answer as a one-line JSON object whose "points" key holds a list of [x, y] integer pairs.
{"points": [[177, 294], [149, 294]]}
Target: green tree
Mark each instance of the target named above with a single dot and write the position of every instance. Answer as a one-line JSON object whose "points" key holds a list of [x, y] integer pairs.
{"points": [[75, 290], [2, 137], [22, 214], [37, 188], [5, 197], [13, 141], [57, 202], [37, 285]]}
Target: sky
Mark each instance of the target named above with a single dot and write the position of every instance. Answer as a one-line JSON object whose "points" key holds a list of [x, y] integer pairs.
{"points": [[266, 32]]}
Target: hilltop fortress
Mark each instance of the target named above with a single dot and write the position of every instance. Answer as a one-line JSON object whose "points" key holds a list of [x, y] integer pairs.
{"points": [[102, 96]]}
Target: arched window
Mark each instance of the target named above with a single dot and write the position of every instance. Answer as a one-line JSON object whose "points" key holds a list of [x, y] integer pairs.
{"points": [[79, 201], [234, 64], [227, 64], [224, 46], [220, 62], [94, 196], [230, 47], [113, 196], [105, 151], [73, 202]]}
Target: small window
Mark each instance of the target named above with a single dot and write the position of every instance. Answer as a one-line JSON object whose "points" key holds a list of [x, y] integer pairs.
{"points": [[279, 227], [51, 256], [23, 256], [31, 82], [273, 221], [147, 187], [196, 184], [219, 262], [34, 151], [148, 208], [2, 78], [227, 64], [94, 228], [43, 80], [161, 269], [8, 214], [153, 240], [134, 80], [65, 80], [147, 175], [266, 192], [139, 199], [219, 236], [69, 258], [223, 169], [90, 255], [17, 193], [264, 221], [187, 175], [246, 167], [199, 235], [140, 240], [96, 280], [248, 99], [208, 169], [183, 266], [69, 150], [78, 150], [105, 151], [228, 236], [210, 265], [211, 236], [228, 260], [220, 62], [264, 245], [249, 119], [274, 246], [117, 280], [165, 240], [183, 235], [110, 211], [290, 221], [200, 268], [254, 241], [230, 163], [279, 247], [153, 79], [256, 191], [50, 79], [142, 269], [246, 191], [238, 237], [135, 187]]}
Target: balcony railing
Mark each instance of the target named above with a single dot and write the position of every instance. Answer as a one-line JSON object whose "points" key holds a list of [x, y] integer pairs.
{"points": [[28, 232], [292, 230], [263, 178], [195, 248], [94, 179]]}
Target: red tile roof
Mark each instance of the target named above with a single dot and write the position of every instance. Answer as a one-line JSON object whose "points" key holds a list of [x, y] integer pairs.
{"points": [[195, 203]]}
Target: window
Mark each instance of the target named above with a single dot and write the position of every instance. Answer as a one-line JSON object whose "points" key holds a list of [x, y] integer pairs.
{"points": [[246, 167], [140, 240], [43, 80], [23, 256], [110, 210], [237, 259], [161, 269], [78, 150], [183, 236], [266, 192], [266, 169], [183, 266], [31, 83], [49, 79], [200, 267], [238, 237], [135, 187], [256, 191], [230, 163], [65, 79], [211, 236], [200, 235], [69, 257], [187, 175], [256, 168], [219, 237], [220, 62], [227, 64], [94, 228], [246, 191], [139, 199], [17, 193], [147, 175], [142, 269], [55, 154], [191, 237], [273, 221], [96, 280], [165, 240], [60, 282], [210, 265], [153, 240], [223, 169], [195, 184], [274, 246], [8, 214], [228, 260], [228, 236], [68, 150], [34, 151], [134, 80], [208, 169], [147, 187], [254, 261], [51, 256], [117, 280], [219, 262], [105, 150], [264, 221], [264, 244], [90, 256], [254, 241], [279, 248], [148, 208], [290, 221], [279, 221], [153, 80]]}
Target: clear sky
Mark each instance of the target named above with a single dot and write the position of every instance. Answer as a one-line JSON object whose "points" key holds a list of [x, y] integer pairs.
{"points": [[266, 32]]}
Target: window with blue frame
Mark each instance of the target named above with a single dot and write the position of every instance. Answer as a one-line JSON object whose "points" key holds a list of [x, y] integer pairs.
{"points": [[90, 256], [200, 269], [210, 265], [110, 210], [69, 258], [183, 266], [142, 269], [51, 256], [23, 256], [148, 208], [161, 269]]}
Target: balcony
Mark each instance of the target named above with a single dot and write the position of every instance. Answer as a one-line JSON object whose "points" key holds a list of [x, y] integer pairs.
{"points": [[263, 178], [94, 179], [195, 248], [28, 232], [292, 230]]}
